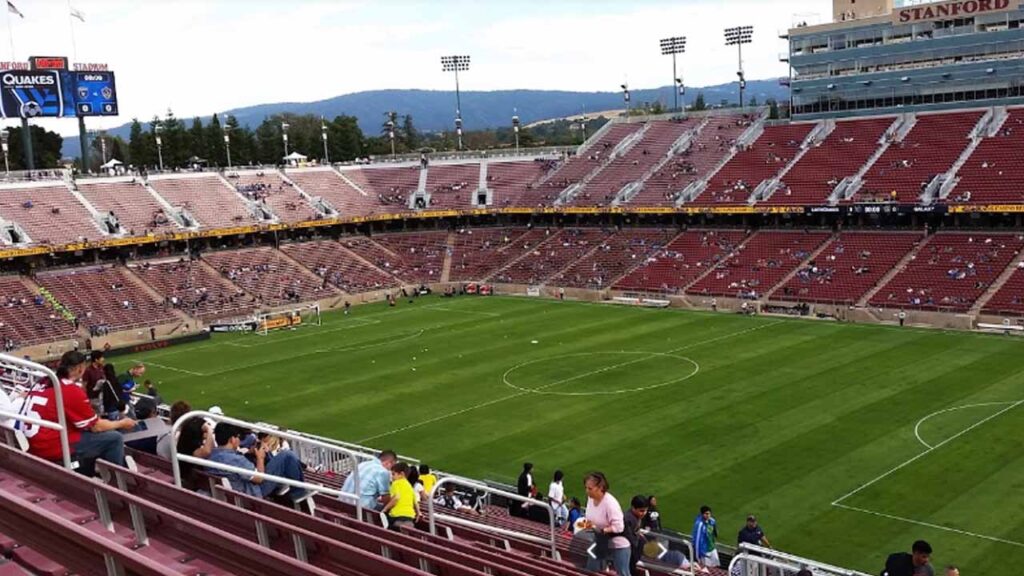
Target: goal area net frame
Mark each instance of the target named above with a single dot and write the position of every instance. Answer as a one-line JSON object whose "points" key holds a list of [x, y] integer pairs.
{"points": [[290, 318]]}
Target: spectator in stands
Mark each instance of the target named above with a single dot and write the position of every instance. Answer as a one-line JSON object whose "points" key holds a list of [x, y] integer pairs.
{"points": [[5, 406], [952, 571], [633, 525], [451, 501], [604, 517], [427, 479], [526, 488], [705, 531], [285, 464], [752, 534], [130, 382], [403, 507], [917, 563], [90, 437], [111, 399], [91, 378], [195, 437], [152, 392], [556, 498], [652, 521], [374, 480]]}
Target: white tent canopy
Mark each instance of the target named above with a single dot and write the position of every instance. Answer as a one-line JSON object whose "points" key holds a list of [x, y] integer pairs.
{"points": [[111, 164], [295, 157]]}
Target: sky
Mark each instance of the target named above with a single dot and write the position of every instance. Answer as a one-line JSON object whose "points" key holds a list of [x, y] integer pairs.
{"points": [[200, 57]]}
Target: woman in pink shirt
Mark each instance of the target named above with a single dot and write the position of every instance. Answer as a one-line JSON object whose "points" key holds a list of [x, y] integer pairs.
{"points": [[604, 517]]}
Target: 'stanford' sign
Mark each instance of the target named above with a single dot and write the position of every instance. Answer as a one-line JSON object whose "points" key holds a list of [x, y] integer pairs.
{"points": [[951, 10]]}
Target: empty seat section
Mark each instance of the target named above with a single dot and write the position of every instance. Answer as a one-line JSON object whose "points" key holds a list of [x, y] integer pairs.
{"points": [[652, 147], [328, 184], [694, 162], [929, 149], [841, 154], [453, 185], [133, 206], [478, 253], [330, 261], [105, 298], [194, 289], [994, 173], [420, 256], [577, 168], [848, 267], [1009, 300], [950, 272], [392, 186], [682, 261], [551, 256], [48, 214], [614, 257], [283, 200], [26, 318], [207, 198], [759, 264], [763, 159], [510, 180], [269, 276]]}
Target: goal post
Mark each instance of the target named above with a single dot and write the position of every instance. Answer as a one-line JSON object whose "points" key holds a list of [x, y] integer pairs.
{"points": [[291, 318]]}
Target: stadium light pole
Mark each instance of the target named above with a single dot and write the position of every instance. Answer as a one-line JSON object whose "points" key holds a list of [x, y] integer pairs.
{"points": [[323, 136], [456, 64], [391, 136], [103, 147], [4, 136], [284, 137], [738, 36], [159, 145], [227, 142], [673, 46], [515, 128], [625, 98], [583, 127]]}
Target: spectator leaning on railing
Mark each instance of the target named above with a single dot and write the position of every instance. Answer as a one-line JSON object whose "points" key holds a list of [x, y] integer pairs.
{"points": [[374, 480]]}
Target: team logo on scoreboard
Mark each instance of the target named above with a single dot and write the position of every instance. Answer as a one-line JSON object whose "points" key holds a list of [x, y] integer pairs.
{"points": [[83, 92], [107, 92], [31, 109]]}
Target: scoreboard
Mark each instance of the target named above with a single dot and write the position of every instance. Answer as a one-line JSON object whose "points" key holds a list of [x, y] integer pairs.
{"points": [[95, 94], [50, 90]]}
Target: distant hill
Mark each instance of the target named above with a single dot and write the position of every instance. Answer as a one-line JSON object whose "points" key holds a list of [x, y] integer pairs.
{"points": [[434, 111]]}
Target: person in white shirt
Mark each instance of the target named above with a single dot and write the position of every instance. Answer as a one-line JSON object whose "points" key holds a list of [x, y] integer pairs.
{"points": [[5, 406], [556, 498]]}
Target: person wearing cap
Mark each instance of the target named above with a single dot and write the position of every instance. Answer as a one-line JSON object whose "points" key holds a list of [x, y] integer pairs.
{"points": [[285, 465], [753, 534], [917, 563], [90, 437]]}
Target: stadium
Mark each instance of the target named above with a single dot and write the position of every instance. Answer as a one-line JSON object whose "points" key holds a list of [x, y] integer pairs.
{"points": [[804, 318]]}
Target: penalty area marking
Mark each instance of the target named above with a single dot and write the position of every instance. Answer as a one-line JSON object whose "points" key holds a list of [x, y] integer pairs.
{"points": [[648, 356], [838, 502], [172, 368]]}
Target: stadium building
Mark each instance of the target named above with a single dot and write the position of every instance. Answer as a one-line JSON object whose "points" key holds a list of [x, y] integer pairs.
{"points": [[877, 58]]}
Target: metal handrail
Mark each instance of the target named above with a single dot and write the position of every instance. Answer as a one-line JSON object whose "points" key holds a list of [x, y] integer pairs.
{"points": [[176, 458], [760, 554], [41, 372], [432, 516], [678, 540]]}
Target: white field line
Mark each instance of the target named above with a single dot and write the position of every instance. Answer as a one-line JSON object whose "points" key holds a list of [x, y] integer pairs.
{"points": [[182, 370], [922, 420], [930, 525], [440, 307], [518, 394], [925, 453], [318, 331]]}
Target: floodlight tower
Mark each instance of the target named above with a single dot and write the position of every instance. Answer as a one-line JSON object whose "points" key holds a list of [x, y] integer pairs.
{"points": [[284, 137], [456, 64], [227, 142], [392, 116], [159, 145], [738, 36], [323, 136], [673, 46], [625, 98], [515, 128]]}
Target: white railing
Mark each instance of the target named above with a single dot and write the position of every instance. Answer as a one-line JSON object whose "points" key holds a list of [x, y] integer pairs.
{"points": [[433, 516], [37, 373], [177, 459], [761, 558]]}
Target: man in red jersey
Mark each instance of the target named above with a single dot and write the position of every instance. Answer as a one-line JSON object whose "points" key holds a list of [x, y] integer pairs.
{"points": [[89, 437]]}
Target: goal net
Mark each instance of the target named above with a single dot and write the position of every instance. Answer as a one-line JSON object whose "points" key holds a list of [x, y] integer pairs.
{"points": [[292, 318]]}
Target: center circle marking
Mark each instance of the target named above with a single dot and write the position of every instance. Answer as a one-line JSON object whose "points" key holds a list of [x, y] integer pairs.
{"points": [[542, 389]]}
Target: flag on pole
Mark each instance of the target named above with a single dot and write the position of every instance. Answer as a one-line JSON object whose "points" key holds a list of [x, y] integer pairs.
{"points": [[13, 9], [77, 14]]}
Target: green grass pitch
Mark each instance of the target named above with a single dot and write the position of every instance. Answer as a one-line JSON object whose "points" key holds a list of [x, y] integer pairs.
{"points": [[849, 441]]}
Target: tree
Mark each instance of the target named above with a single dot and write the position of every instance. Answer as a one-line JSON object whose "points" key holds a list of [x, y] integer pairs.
{"points": [[141, 147], [175, 146], [773, 109], [409, 136], [345, 138], [215, 147], [699, 104], [196, 141], [46, 148], [752, 102]]}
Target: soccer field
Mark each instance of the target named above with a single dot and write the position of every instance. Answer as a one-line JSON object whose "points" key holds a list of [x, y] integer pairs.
{"points": [[848, 441]]}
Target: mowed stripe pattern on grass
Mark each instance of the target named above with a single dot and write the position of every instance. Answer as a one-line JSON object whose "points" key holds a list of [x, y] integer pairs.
{"points": [[783, 417]]}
